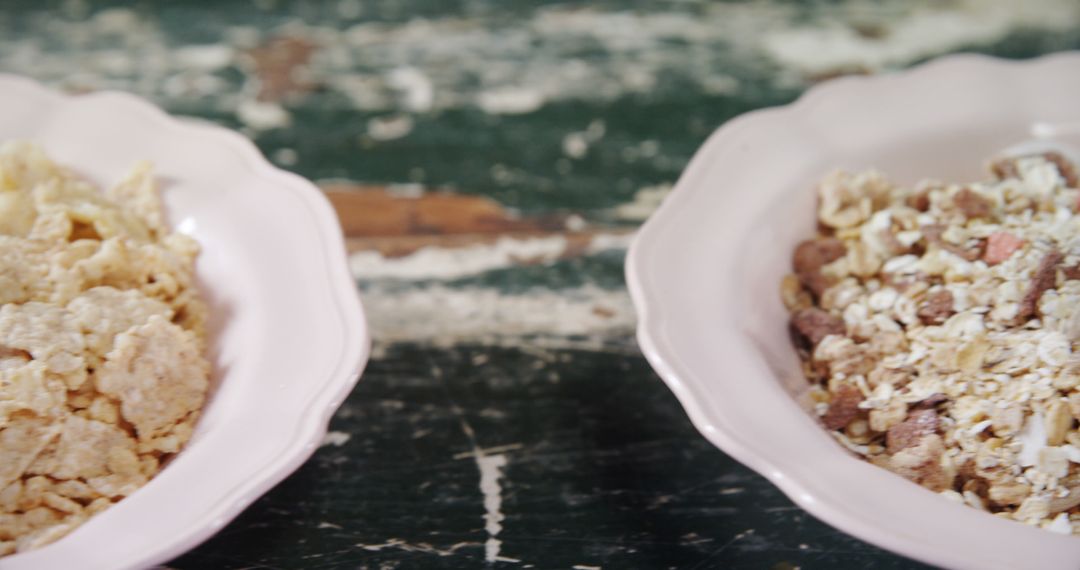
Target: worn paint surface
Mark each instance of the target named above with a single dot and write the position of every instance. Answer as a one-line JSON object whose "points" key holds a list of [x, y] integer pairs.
{"points": [[490, 161]]}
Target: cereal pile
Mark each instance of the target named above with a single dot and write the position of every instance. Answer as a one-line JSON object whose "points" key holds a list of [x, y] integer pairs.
{"points": [[102, 373], [939, 324]]}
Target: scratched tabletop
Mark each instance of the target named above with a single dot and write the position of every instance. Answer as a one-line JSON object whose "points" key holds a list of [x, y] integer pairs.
{"points": [[490, 161]]}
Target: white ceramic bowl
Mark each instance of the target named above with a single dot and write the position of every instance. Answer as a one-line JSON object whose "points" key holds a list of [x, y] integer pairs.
{"points": [[704, 273], [288, 334]]}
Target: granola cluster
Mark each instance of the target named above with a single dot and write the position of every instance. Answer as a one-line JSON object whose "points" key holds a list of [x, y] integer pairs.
{"points": [[938, 324], [102, 373]]}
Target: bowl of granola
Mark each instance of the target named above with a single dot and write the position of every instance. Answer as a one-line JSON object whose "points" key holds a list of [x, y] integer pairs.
{"points": [[867, 297], [177, 325]]}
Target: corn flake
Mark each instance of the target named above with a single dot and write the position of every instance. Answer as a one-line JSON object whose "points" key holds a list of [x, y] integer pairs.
{"points": [[102, 375]]}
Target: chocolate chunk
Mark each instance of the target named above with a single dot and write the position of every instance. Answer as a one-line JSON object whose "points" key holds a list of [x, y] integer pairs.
{"points": [[972, 204], [919, 201], [815, 324], [933, 234], [1066, 169], [8, 352], [930, 401], [937, 307], [810, 256], [843, 408], [907, 433], [1005, 167], [893, 243], [1045, 278]]}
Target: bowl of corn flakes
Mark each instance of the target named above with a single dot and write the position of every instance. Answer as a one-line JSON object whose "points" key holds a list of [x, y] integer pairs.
{"points": [[177, 325], [860, 297]]}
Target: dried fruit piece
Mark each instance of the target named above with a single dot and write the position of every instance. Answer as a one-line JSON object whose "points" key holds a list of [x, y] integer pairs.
{"points": [[929, 319], [1000, 246]]}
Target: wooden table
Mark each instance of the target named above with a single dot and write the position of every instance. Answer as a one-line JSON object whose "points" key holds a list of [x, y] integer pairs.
{"points": [[490, 161]]}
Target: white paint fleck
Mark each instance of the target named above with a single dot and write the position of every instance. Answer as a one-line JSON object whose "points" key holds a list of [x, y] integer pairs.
{"points": [[822, 47], [609, 242], [438, 263], [510, 101], [324, 524], [335, 438], [518, 65], [389, 128], [444, 316], [576, 223], [645, 202], [116, 20], [585, 567], [397, 543], [454, 263], [490, 471], [207, 57], [262, 115], [488, 450], [417, 92], [575, 145], [286, 156], [350, 9], [405, 190]]}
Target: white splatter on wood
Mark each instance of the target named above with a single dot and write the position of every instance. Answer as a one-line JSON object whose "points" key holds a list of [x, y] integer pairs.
{"points": [[335, 438], [262, 115], [582, 316], [510, 101], [490, 467], [489, 450], [455, 263], [398, 544], [645, 202], [820, 48]]}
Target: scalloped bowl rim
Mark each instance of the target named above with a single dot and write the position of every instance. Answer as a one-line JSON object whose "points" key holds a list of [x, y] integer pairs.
{"points": [[655, 307], [310, 420]]}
